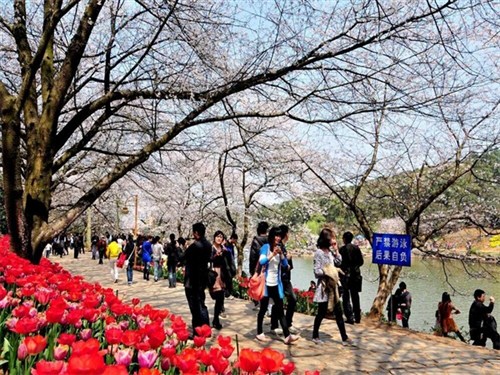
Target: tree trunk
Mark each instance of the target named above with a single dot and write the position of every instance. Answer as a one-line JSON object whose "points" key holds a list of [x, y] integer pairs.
{"points": [[385, 285]]}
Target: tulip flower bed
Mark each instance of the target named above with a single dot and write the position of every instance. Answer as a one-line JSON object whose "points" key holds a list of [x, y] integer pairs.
{"points": [[53, 323]]}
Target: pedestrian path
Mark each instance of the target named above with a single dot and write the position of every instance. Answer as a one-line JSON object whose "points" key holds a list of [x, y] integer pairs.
{"points": [[380, 349]]}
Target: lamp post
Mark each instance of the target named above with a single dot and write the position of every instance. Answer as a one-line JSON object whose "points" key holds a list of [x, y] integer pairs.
{"points": [[124, 210]]}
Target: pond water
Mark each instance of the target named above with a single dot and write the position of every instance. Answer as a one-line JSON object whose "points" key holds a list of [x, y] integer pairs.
{"points": [[426, 280]]}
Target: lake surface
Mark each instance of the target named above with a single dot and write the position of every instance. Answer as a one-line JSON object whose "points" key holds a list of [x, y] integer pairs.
{"points": [[426, 280]]}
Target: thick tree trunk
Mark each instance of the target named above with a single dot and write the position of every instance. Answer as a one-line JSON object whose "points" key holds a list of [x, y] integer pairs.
{"points": [[388, 277], [12, 184]]}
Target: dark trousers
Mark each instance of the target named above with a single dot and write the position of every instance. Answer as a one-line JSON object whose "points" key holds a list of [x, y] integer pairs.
{"points": [[199, 312], [218, 297], [291, 300], [480, 335], [145, 271], [272, 292], [350, 293], [172, 276], [406, 316], [337, 310], [101, 256]]}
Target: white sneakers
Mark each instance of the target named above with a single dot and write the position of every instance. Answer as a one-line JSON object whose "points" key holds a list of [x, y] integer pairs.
{"points": [[263, 338], [291, 338], [348, 342], [318, 341]]}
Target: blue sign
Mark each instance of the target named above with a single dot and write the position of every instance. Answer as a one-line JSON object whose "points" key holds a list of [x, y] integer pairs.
{"points": [[392, 249]]}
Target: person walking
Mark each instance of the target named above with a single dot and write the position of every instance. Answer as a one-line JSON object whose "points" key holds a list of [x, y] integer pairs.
{"points": [[219, 260], [352, 260], [286, 279], [130, 253], [327, 293], [445, 311], [156, 255], [173, 253], [101, 248], [253, 257], [272, 259], [196, 259], [112, 252], [405, 304], [146, 253], [481, 323]]}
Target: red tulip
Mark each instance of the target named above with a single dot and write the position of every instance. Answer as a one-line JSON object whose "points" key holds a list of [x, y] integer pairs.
{"points": [[224, 340], [66, 339], [25, 326], [271, 360], [83, 347], [35, 344], [288, 368], [183, 335], [43, 295], [115, 370], [113, 335], [315, 372], [156, 335], [131, 338], [86, 364], [249, 360], [199, 341], [219, 364], [3, 292], [204, 330], [135, 301], [44, 367], [55, 313], [187, 361], [227, 351], [168, 351]]}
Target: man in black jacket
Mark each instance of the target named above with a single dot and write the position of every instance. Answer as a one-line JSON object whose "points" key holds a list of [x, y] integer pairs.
{"points": [[352, 260], [196, 259], [482, 325], [253, 257]]}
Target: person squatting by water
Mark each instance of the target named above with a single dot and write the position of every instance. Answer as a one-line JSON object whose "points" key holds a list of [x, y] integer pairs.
{"points": [[482, 324], [444, 316], [327, 292], [272, 262]]}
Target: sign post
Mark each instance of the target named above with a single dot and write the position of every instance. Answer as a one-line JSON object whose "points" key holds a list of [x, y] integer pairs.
{"points": [[392, 249]]}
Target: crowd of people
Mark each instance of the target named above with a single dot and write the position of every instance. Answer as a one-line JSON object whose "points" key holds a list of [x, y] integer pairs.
{"points": [[211, 265]]}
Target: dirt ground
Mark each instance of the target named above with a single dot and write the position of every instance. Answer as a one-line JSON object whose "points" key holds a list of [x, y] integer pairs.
{"points": [[457, 241]]}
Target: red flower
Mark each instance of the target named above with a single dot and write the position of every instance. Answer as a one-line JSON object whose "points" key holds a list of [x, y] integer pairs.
{"points": [[224, 341], [249, 360], [55, 313], [135, 301], [3, 292], [199, 341], [86, 364], [204, 331], [187, 361], [131, 338], [66, 339], [227, 351], [271, 360], [156, 335], [113, 335], [183, 335], [315, 372], [43, 295], [288, 368], [35, 344], [44, 367], [219, 364], [115, 370], [168, 351], [82, 347], [26, 325]]}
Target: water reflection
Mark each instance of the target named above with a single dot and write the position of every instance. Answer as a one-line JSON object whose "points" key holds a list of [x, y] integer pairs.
{"points": [[426, 279]]}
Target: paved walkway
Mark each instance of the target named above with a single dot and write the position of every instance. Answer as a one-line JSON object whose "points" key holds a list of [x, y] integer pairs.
{"points": [[381, 349]]}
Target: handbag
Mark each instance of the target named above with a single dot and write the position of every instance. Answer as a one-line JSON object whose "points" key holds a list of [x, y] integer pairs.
{"points": [[212, 277], [121, 260], [127, 261], [257, 285]]}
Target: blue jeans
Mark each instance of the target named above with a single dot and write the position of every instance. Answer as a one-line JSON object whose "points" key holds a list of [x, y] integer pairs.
{"points": [[156, 268], [172, 276], [130, 273]]}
